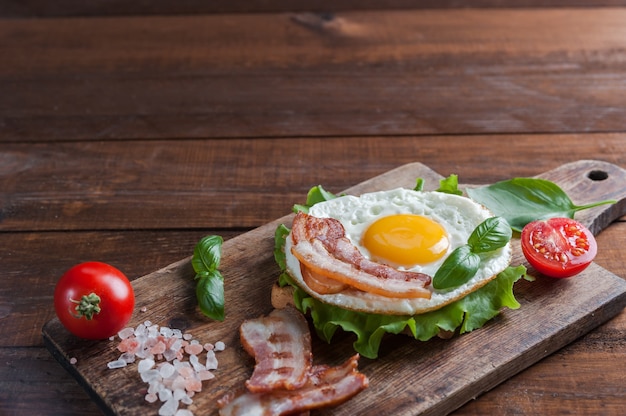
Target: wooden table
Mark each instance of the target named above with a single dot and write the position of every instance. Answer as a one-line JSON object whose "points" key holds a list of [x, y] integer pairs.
{"points": [[128, 133]]}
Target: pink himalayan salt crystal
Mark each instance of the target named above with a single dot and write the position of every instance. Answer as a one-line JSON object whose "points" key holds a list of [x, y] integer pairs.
{"points": [[204, 375], [193, 384], [178, 383], [158, 348], [185, 372], [129, 345], [194, 349], [151, 397]]}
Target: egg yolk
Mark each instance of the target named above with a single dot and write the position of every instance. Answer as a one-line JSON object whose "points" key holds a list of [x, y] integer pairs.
{"points": [[406, 240]]}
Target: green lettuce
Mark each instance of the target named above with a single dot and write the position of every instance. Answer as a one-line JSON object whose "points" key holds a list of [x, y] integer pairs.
{"points": [[466, 314]]}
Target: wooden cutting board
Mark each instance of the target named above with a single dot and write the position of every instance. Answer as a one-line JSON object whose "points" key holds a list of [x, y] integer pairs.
{"points": [[409, 377]]}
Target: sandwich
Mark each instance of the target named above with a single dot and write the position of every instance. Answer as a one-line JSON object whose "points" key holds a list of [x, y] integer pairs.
{"points": [[422, 263]]}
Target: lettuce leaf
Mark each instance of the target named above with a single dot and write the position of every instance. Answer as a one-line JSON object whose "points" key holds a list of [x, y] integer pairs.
{"points": [[466, 314]]}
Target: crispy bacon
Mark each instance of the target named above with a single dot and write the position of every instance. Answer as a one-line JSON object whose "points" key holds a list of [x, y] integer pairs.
{"points": [[281, 346], [321, 246], [326, 386]]}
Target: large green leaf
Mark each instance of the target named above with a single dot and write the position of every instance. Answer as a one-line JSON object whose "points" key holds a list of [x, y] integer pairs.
{"points": [[523, 200]]}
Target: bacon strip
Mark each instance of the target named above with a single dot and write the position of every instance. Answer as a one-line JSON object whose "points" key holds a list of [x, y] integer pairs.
{"points": [[281, 346], [321, 246], [326, 386]]}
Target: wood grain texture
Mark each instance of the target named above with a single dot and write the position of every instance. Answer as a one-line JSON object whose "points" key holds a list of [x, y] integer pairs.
{"points": [[355, 73], [514, 341], [218, 183], [39, 8], [128, 134]]}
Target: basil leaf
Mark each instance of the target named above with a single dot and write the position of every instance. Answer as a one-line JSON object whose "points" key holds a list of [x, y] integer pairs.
{"points": [[490, 235], [210, 295], [450, 185], [316, 194], [210, 283], [460, 266], [523, 200], [207, 254]]}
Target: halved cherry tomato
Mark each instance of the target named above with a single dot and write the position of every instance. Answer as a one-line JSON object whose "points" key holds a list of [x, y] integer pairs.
{"points": [[558, 247], [94, 300]]}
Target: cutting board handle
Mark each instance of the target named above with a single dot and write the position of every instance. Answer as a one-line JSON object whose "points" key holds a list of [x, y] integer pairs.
{"points": [[587, 181]]}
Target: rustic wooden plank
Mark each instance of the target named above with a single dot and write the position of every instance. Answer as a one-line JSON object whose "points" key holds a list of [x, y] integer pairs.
{"points": [[282, 74], [31, 383], [516, 339], [39, 8], [218, 184]]}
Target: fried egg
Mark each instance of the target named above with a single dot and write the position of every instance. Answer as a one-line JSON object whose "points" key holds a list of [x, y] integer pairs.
{"points": [[408, 230]]}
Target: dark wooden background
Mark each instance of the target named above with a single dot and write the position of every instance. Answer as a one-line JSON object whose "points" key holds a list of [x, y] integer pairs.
{"points": [[128, 130]]}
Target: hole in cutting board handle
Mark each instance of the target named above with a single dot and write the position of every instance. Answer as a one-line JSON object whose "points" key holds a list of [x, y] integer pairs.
{"points": [[598, 175]]}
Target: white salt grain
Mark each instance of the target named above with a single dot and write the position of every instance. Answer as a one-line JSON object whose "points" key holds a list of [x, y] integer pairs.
{"points": [[176, 345], [169, 408], [129, 357], [73, 360], [150, 375], [211, 360], [154, 386], [220, 346], [165, 394], [140, 330], [145, 365], [179, 394], [166, 332], [195, 363], [126, 332], [183, 412], [117, 364], [167, 370]]}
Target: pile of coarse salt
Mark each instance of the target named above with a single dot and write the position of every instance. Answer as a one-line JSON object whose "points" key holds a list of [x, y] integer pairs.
{"points": [[161, 352]]}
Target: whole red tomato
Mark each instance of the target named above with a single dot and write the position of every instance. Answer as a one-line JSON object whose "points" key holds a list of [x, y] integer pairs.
{"points": [[558, 247], [94, 300]]}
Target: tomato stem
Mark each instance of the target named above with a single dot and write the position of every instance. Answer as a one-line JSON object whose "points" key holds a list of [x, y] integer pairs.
{"points": [[87, 306]]}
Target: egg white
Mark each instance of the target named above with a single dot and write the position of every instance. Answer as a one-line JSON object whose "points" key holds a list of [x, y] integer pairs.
{"points": [[458, 215]]}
